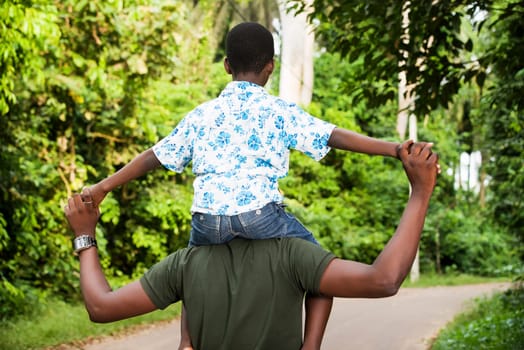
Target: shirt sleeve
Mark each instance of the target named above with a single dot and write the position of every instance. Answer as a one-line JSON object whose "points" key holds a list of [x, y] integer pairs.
{"points": [[307, 263], [175, 151], [163, 282], [306, 133]]}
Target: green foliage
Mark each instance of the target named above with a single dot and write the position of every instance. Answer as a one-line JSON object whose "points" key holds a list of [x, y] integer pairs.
{"points": [[469, 242], [431, 53], [502, 112], [495, 323], [28, 27], [89, 77]]}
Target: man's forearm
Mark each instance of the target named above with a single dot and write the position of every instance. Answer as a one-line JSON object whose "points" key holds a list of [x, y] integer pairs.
{"points": [[139, 166], [394, 262], [351, 141]]}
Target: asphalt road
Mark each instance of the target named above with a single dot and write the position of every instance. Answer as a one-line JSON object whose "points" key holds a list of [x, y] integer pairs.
{"points": [[406, 321]]}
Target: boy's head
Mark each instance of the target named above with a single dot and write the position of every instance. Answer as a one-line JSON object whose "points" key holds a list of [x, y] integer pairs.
{"points": [[249, 47]]}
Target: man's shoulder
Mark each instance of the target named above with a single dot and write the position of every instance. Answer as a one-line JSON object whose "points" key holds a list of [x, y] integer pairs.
{"points": [[285, 245], [270, 244], [287, 249]]}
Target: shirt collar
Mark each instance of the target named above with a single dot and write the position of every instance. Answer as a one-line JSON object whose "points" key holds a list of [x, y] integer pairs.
{"points": [[242, 87]]}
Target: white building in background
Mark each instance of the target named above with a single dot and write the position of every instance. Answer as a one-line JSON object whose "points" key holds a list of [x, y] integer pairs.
{"points": [[467, 174]]}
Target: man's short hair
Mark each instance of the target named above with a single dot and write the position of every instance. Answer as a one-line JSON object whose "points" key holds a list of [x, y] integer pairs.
{"points": [[249, 47]]}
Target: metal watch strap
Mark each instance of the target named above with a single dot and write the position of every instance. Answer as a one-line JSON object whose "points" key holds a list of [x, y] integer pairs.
{"points": [[83, 242]]}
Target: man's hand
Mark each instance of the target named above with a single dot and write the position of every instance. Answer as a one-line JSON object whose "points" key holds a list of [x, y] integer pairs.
{"points": [[82, 214], [421, 165]]}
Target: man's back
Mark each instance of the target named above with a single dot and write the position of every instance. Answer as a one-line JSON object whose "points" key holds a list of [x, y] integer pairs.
{"points": [[251, 291]]}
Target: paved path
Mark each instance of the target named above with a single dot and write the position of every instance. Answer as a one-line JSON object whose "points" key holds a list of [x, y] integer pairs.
{"points": [[406, 321]]}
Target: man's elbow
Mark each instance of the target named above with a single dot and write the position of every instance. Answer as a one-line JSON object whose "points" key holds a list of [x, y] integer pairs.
{"points": [[98, 314], [389, 286]]}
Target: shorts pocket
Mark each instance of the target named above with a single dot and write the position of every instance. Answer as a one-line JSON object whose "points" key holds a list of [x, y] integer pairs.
{"points": [[267, 222], [204, 229]]}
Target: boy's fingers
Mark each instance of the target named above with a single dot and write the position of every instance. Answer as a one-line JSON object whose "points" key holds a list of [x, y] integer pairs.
{"points": [[87, 197], [405, 148]]}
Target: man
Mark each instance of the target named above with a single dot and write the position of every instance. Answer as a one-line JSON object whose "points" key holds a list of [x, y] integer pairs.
{"points": [[248, 294], [239, 145]]}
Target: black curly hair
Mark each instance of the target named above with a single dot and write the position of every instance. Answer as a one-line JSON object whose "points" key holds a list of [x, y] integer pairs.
{"points": [[249, 47]]}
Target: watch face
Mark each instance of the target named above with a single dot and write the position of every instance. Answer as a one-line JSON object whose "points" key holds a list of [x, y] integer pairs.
{"points": [[83, 242]]}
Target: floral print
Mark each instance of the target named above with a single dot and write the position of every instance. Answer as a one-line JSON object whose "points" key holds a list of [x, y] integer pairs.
{"points": [[239, 144]]}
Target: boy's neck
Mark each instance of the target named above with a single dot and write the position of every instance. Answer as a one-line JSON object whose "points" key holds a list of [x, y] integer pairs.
{"points": [[259, 79]]}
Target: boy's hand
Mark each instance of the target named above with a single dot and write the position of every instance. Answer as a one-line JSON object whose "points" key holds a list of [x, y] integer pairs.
{"points": [[82, 215], [95, 192], [409, 144], [421, 165]]}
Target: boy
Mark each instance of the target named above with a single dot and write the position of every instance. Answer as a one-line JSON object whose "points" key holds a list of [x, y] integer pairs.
{"points": [[239, 144]]}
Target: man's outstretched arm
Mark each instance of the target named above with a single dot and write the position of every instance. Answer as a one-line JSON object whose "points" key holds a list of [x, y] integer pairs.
{"points": [[102, 304], [344, 278]]}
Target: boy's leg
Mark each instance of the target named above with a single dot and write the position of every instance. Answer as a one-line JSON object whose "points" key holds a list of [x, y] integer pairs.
{"points": [[206, 229], [318, 309], [185, 338]]}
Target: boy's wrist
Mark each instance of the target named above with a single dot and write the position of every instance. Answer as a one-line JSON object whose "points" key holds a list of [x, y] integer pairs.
{"points": [[103, 187], [398, 147]]}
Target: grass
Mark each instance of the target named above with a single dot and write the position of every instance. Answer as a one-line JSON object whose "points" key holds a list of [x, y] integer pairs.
{"points": [[433, 280], [496, 323], [57, 322]]}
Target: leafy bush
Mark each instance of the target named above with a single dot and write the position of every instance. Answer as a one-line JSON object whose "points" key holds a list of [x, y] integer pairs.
{"points": [[495, 324], [469, 242]]}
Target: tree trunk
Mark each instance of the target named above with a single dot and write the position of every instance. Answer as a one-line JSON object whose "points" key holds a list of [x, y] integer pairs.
{"points": [[405, 117], [296, 72]]}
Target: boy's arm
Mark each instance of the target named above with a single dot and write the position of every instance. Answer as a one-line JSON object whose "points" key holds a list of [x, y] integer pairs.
{"points": [[102, 304], [344, 278], [351, 141], [139, 166]]}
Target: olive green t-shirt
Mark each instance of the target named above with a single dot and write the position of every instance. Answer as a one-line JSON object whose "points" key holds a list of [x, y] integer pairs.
{"points": [[246, 294]]}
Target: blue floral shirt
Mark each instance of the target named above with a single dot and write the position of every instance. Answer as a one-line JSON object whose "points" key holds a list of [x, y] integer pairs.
{"points": [[239, 144]]}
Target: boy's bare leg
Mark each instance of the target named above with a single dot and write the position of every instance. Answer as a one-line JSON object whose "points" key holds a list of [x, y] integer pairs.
{"points": [[318, 309], [185, 338]]}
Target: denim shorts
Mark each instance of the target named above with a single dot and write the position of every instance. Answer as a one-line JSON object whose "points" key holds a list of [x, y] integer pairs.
{"points": [[270, 221]]}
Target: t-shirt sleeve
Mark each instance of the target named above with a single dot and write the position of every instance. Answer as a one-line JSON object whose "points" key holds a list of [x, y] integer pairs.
{"points": [[175, 150], [308, 262], [163, 282], [306, 133]]}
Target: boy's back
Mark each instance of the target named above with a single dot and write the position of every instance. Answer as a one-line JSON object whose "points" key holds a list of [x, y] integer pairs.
{"points": [[239, 144]]}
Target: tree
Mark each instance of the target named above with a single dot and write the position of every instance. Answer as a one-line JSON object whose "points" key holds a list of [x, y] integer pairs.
{"points": [[28, 28], [93, 88], [373, 30], [296, 68], [502, 107]]}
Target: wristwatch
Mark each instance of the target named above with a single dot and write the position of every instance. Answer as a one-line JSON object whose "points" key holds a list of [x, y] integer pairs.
{"points": [[83, 242]]}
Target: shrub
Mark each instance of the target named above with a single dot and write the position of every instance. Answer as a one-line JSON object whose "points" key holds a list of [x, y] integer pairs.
{"points": [[496, 323]]}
